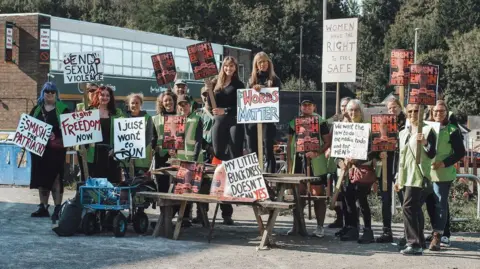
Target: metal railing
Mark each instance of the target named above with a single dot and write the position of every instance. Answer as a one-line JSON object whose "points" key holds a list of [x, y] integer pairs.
{"points": [[476, 179]]}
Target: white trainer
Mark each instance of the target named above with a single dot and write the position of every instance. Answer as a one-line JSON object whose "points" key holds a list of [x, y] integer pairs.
{"points": [[444, 241], [319, 232]]}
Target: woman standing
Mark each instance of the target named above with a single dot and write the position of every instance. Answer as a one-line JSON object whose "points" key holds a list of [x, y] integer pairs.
{"points": [[47, 171], [135, 103], [414, 178], [263, 75], [100, 157]]}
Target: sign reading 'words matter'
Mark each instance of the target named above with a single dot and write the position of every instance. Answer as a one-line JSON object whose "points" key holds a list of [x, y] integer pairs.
{"points": [[82, 67], [244, 178], [129, 135], [350, 140], [258, 107], [80, 128], [339, 61], [32, 134]]}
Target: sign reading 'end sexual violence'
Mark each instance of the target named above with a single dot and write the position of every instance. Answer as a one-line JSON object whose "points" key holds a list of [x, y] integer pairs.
{"points": [[258, 107]]}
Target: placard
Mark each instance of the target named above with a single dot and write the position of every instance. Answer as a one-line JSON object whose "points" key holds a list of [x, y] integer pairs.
{"points": [[82, 67], [258, 107], [32, 134], [164, 67], [202, 60], [350, 140], [174, 132], [339, 59], [189, 177], [423, 84], [384, 132], [81, 128], [9, 41], [129, 134], [244, 178], [307, 133], [400, 61]]}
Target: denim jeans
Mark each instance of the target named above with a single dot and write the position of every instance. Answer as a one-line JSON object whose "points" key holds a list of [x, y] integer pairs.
{"points": [[441, 191]]}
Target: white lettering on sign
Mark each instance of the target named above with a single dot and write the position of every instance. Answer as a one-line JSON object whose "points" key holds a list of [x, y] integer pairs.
{"points": [[44, 39]]}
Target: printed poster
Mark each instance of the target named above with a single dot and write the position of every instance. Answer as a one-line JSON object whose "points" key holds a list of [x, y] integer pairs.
{"points": [[423, 85], [189, 177], [33, 134], [384, 132], [202, 60], [81, 128], [174, 132], [82, 67], [307, 133], [258, 107], [164, 67], [400, 61], [350, 140], [129, 134]]}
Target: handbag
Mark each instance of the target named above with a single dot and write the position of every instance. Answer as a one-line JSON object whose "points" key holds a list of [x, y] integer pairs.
{"points": [[362, 174], [55, 142]]}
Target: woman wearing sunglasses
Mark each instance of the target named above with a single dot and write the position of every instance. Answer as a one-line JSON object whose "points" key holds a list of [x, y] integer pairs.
{"points": [[91, 88], [47, 171]]}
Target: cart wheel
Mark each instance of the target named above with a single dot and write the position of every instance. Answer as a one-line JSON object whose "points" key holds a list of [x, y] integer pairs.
{"points": [[89, 224], [140, 222], [119, 225], [108, 220]]}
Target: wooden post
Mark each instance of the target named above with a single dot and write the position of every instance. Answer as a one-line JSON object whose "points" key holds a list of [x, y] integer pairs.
{"points": [[309, 192], [83, 153], [401, 95], [211, 96], [337, 189], [260, 144], [419, 131], [337, 110], [384, 175], [21, 159], [83, 87]]}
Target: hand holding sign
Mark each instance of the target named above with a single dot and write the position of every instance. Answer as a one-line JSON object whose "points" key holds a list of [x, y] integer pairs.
{"points": [[32, 134], [130, 135]]}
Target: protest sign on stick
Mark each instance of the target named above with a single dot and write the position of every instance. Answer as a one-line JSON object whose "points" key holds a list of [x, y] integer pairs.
{"points": [[81, 128], [189, 177], [32, 134], [384, 138], [174, 132], [82, 67], [350, 140], [400, 61], [423, 84], [164, 67], [307, 130], [202, 59], [258, 107], [129, 134]]}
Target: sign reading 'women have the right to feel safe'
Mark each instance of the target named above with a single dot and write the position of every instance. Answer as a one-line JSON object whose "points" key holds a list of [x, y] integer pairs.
{"points": [[258, 107]]}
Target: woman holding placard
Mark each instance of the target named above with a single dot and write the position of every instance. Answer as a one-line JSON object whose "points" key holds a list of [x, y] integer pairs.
{"points": [[101, 163], [263, 75], [47, 171], [134, 102]]}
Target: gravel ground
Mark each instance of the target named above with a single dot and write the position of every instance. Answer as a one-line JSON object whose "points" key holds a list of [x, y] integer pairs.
{"points": [[26, 242]]}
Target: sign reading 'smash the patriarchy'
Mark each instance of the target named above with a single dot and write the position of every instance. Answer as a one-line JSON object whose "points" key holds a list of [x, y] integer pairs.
{"points": [[82, 67], [258, 107], [32, 134]]}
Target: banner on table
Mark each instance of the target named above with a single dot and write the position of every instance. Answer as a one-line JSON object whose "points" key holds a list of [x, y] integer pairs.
{"points": [[164, 67], [174, 132], [339, 60], [82, 67], [307, 134], [423, 84], [258, 107], [129, 135], [189, 177], [33, 134], [350, 140], [384, 132], [244, 178], [202, 60], [81, 128], [400, 61]]}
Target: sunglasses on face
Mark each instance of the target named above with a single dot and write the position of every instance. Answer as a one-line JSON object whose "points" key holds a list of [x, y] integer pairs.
{"points": [[50, 92]]}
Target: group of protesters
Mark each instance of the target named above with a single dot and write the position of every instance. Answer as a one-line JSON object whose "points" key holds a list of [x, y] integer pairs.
{"points": [[215, 136]]}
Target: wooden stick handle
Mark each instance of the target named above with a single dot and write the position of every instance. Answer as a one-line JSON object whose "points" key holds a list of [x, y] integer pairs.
{"points": [[337, 189], [384, 175], [309, 192], [21, 159], [260, 144], [418, 156]]}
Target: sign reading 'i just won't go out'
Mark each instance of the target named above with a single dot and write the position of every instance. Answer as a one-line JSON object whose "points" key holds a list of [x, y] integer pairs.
{"points": [[339, 60]]}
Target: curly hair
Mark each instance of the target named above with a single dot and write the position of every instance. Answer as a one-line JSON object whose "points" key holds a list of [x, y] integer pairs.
{"points": [[159, 103], [111, 104]]}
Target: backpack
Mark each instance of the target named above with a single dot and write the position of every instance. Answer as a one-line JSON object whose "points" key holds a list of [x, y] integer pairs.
{"points": [[70, 217]]}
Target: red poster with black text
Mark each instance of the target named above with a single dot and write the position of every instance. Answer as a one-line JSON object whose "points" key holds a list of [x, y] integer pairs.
{"points": [[400, 61], [174, 132], [307, 133], [189, 177], [423, 84], [384, 132], [164, 67], [202, 60]]}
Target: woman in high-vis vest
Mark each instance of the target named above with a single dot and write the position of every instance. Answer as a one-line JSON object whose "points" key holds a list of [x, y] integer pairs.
{"points": [[47, 171], [297, 163], [450, 150], [134, 103], [414, 178], [101, 163], [193, 131]]}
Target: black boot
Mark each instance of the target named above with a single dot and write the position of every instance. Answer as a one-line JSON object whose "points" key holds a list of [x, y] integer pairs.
{"points": [[386, 237], [42, 212], [367, 237], [341, 232], [228, 221], [338, 223], [56, 213], [351, 235]]}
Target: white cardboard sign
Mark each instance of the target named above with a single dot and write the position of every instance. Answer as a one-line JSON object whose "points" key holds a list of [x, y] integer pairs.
{"points": [[32, 134], [129, 134], [82, 67], [350, 140], [258, 107], [80, 128]]}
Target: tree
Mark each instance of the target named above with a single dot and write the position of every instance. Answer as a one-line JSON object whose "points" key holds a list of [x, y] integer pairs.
{"points": [[294, 84]]}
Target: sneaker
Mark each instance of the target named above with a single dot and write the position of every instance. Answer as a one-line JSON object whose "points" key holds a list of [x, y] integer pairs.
{"points": [[336, 224], [319, 232], [42, 212], [402, 242], [341, 232], [429, 238], [367, 237], [351, 235], [445, 241], [386, 237], [435, 243], [412, 251], [292, 231], [228, 221]]}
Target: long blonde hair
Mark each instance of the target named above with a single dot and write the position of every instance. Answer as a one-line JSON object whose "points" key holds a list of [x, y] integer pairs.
{"points": [[271, 72], [159, 103], [222, 76]]}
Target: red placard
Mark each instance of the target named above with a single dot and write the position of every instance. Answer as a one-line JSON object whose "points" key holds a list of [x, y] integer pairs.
{"points": [[164, 67], [189, 177], [423, 84], [400, 61], [202, 60], [307, 133], [174, 132], [384, 132]]}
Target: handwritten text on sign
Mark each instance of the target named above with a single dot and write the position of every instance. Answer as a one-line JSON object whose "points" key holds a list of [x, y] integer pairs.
{"points": [[32, 134], [80, 128], [244, 178], [350, 140], [258, 107], [82, 67], [339, 61], [130, 135]]}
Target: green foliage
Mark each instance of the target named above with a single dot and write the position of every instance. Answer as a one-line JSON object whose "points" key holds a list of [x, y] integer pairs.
{"points": [[294, 83]]}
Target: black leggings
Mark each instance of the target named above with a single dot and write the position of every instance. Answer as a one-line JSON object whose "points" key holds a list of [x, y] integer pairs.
{"points": [[269, 133], [356, 192], [227, 134]]}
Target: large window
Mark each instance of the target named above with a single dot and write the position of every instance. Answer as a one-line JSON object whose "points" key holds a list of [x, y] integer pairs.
{"points": [[120, 57]]}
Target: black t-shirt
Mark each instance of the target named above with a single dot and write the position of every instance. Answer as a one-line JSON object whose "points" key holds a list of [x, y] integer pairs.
{"points": [[227, 97]]}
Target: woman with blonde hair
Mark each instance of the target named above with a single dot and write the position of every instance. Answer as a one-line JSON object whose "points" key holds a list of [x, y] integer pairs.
{"points": [[263, 75]]}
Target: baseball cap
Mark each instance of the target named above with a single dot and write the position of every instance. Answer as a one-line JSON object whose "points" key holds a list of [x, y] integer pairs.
{"points": [[307, 102], [183, 98], [180, 81]]}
